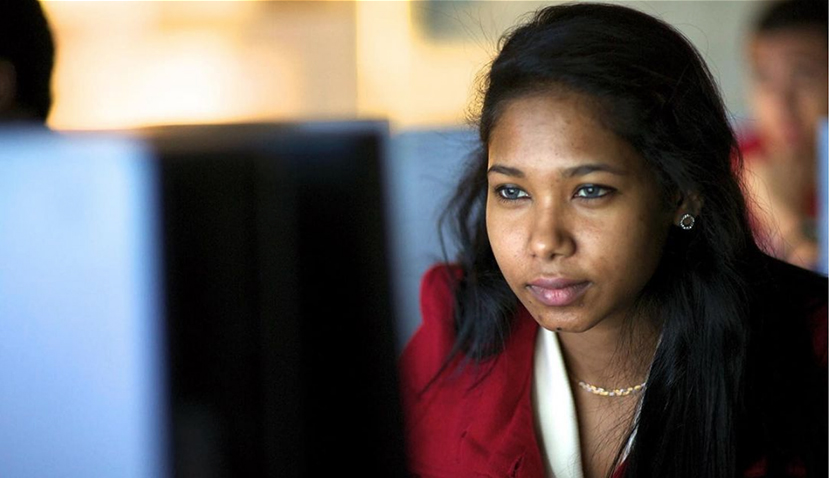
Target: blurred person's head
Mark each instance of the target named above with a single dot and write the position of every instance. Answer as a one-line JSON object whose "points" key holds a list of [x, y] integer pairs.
{"points": [[26, 59], [788, 55]]}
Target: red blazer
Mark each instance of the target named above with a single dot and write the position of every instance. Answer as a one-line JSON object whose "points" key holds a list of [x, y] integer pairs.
{"points": [[479, 423], [455, 430]]}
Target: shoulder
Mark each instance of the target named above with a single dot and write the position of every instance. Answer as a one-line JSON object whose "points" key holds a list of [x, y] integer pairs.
{"points": [[464, 417], [429, 348], [438, 293], [800, 297], [808, 288], [808, 300], [432, 399], [789, 331]]}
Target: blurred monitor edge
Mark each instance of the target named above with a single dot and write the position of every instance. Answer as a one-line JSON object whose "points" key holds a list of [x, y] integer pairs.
{"points": [[823, 197]]}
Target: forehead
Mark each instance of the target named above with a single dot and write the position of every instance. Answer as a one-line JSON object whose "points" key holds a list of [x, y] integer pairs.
{"points": [[548, 131], [787, 43]]}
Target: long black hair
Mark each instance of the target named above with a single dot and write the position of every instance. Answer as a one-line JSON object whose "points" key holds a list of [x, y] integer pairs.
{"points": [[654, 90]]}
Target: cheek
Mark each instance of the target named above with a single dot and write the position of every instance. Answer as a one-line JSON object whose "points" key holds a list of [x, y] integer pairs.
{"points": [[503, 235], [626, 248]]}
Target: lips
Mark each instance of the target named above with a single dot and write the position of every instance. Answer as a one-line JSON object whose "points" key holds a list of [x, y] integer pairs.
{"points": [[557, 292]]}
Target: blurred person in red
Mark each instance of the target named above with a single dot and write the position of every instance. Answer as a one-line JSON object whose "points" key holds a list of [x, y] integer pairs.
{"points": [[788, 58], [27, 54]]}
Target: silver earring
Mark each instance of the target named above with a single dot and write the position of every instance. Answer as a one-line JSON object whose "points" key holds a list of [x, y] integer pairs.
{"points": [[687, 221]]}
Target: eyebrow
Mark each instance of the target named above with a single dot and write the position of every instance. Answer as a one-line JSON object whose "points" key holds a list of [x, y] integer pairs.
{"points": [[580, 170], [506, 170], [584, 169]]}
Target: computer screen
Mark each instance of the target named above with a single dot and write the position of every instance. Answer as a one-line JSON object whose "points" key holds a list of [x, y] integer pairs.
{"points": [[81, 359], [197, 301], [280, 323]]}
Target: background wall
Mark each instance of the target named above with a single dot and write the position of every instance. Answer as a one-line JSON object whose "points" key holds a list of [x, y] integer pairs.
{"points": [[136, 63]]}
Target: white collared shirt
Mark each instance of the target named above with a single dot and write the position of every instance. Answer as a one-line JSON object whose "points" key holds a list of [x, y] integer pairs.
{"points": [[555, 411]]}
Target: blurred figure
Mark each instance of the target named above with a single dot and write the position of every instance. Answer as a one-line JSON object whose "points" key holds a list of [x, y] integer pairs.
{"points": [[27, 55], [788, 57]]}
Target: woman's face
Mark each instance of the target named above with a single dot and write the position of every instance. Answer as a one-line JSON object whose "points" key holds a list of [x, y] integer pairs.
{"points": [[575, 218]]}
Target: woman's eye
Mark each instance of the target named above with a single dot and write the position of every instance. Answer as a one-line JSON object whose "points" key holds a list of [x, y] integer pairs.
{"points": [[511, 192], [591, 191]]}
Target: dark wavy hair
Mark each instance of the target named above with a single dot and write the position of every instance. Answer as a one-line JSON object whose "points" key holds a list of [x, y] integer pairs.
{"points": [[653, 89]]}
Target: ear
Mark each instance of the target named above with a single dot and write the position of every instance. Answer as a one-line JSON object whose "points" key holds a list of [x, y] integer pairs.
{"points": [[687, 203], [8, 87]]}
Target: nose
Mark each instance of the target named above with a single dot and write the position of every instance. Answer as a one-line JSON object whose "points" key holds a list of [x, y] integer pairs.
{"points": [[551, 235]]}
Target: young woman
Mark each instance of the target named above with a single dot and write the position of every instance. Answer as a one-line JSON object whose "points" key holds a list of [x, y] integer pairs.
{"points": [[610, 314]]}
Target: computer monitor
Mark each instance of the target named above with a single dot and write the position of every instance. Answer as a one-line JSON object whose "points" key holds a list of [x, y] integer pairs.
{"points": [[81, 296], [206, 301], [280, 324]]}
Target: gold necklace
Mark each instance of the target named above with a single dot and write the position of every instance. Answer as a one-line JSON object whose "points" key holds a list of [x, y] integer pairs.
{"points": [[619, 392]]}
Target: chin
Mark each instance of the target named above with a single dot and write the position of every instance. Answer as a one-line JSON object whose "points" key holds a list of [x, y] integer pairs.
{"points": [[563, 322]]}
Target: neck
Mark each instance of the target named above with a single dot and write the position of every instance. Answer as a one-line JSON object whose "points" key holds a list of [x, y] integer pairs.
{"points": [[610, 356]]}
